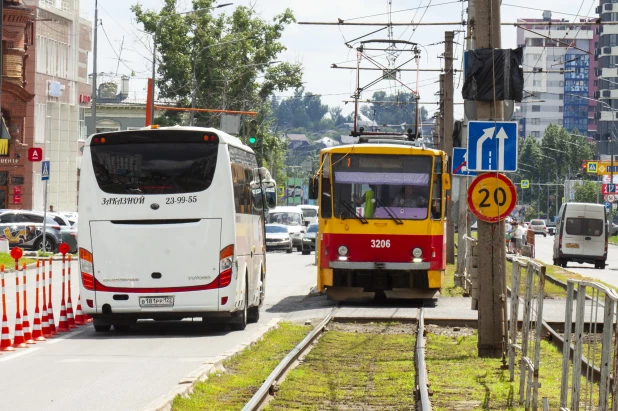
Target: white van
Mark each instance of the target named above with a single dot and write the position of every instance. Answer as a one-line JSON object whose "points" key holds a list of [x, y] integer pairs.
{"points": [[581, 235], [291, 216], [310, 213]]}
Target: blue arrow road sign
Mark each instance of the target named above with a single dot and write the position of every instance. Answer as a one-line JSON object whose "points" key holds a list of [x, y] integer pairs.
{"points": [[492, 146], [460, 166], [45, 170], [607, 205]]}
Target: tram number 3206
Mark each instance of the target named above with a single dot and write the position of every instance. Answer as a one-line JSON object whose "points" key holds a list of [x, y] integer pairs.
{"points": [[380, 243]]}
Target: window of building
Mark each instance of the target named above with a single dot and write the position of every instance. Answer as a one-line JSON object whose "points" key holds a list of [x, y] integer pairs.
{"points": [[536, 134], [537, 83], [536, 109], [560, 96], [83, 131], [40, 115], [561, 83], [534, 42], [535, 121], [560, 109], [41, 55]]}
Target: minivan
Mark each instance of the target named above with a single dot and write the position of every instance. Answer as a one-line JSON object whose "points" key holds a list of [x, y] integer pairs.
{"points": [[310, 213], [581, 235], [292, 217]]}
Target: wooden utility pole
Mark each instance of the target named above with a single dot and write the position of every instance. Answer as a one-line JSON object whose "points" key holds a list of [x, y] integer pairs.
{"points": [[447, 137], [492, 251]]}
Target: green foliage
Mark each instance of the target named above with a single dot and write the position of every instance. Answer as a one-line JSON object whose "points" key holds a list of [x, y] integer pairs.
{"points": [[304, 110], [231, 56], [586, 192]]}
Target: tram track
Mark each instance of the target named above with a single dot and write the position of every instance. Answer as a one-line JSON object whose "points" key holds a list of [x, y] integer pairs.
{"points": [[276, 380]]}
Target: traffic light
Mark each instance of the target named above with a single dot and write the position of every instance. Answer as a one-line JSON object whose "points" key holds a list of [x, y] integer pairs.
{"points": [[252, 133]]}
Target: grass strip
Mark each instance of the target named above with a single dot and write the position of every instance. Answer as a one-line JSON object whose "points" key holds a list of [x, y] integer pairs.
{"points": [[460, 380], [9, 263], [246, 372], [449, 289], [368, 369]]}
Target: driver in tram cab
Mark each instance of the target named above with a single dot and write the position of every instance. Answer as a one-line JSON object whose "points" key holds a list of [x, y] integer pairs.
{"points": [[368, 200], [409, 197]]}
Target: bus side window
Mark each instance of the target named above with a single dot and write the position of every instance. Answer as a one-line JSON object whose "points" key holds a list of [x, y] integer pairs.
{"points": [[326, 209], [436, 192]]}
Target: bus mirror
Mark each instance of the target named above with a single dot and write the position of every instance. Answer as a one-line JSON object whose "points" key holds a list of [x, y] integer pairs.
{"points": [[271, 197], [446, 181], [313, 188]]}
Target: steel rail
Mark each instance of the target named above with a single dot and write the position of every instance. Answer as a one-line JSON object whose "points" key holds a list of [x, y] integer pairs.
{"points": [[260, 397], [421, 368]]}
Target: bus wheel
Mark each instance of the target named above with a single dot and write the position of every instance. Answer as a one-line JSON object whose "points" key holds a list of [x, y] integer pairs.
{"points": [[102, 328], [240, 322], [253, 313]]}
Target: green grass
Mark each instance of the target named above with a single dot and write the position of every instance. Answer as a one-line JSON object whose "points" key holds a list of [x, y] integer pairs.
{"points": [[352, 371], [461, 380], [613, 239], [246, 372], [8, 262], [449, 289]]}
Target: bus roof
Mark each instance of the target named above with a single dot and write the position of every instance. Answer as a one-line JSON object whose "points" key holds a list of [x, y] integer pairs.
{"points": [[369, 148], [224, 137]]}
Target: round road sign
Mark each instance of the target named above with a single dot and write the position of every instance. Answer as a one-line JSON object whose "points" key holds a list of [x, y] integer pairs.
{"points": [[63, 248], [16, 253], [610, 198], [492, 197]]}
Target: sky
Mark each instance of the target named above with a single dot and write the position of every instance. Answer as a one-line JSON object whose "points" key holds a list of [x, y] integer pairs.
{"points": [[318, 47]]}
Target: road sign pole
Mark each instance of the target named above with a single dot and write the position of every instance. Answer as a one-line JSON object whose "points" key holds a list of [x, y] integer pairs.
{"points": [[492, 251], [45, 217]]}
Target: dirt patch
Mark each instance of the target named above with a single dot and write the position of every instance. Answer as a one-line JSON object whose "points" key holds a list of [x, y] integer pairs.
{"points": [[449, 331], [374, 328]]}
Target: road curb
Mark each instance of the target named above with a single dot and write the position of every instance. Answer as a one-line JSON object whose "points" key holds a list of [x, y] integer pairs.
{"points": [[211, 365]]}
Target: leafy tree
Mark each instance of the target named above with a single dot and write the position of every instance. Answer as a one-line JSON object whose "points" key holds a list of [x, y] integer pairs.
{"points": [[303, 110], [397, 109], [586, 192], [228, 52]]}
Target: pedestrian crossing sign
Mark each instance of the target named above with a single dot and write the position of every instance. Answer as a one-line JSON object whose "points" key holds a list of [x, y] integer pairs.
{"points": [[280, 191], [45, 170], [592, 167], [525, 183]]}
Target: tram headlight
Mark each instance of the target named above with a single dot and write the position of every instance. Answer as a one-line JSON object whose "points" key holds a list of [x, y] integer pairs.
{"points": [[417, 252], [342, 250]]}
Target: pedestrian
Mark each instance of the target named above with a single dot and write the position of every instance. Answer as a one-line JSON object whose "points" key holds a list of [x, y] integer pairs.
{"points": [[51, 208], [512, 243], [518, 235]]}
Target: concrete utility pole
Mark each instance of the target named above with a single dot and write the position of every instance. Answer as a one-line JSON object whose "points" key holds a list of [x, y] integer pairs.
{"points": [[440, 125], [448, 137], [492, 252], [463, 226]]}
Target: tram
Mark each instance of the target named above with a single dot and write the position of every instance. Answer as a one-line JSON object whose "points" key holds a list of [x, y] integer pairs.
{"points": [[382, 228]]}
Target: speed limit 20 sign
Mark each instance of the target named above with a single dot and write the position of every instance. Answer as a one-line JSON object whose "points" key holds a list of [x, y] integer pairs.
{"points": [[492, 197]]}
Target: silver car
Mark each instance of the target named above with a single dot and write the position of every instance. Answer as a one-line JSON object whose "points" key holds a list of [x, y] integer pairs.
{"points": [[278, 237], [539, 227], [309, 239], [25, 229]]}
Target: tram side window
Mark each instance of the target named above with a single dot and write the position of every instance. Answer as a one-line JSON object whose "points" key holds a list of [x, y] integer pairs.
{"points": [[325, 197], [436, 192]]}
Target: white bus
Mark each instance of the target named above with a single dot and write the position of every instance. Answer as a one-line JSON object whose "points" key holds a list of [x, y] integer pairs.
{"points": [[172, 227]]}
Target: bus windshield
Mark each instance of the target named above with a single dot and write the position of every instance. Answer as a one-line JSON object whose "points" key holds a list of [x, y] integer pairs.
{"points": [[381, 186], [154, 167]]}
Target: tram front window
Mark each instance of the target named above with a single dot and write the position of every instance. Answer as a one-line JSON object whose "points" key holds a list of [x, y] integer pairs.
{"points": [[381, 186]]}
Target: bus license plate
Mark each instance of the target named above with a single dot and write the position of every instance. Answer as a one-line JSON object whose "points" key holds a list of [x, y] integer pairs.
{"points": [[163, 301], [572, 245]]}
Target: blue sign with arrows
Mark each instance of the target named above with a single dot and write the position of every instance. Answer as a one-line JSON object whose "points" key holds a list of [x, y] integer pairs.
{"points": [[607, 205], [460, 164], [492, 146]]}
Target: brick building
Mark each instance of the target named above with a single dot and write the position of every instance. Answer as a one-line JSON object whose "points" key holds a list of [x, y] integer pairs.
{"points": [[15, 170], [57, 75]]}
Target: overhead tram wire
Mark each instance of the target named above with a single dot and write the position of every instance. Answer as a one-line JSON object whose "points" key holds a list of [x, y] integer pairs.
{"points": [[400, 11], [579, 29], [553, 11]]}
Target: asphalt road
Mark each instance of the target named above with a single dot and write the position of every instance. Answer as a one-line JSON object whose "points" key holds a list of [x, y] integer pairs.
{"points": [[128, 371], [544, 252]]}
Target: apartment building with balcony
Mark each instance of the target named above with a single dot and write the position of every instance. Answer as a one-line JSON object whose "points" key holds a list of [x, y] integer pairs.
{"points": [[57, 75], [607, 94], [561, 76]]}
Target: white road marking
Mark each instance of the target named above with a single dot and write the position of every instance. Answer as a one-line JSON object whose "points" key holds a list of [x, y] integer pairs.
{"points": [[24, 351]]}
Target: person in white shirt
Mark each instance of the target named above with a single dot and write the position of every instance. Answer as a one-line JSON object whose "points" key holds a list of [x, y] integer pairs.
{"points": [[518, 235]]}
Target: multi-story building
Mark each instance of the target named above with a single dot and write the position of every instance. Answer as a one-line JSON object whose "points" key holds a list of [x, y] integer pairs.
{"points": [[561, 76], [607, 55], [58, 76]]}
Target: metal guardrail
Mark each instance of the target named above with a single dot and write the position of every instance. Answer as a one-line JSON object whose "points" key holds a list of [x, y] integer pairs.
{"points": [[423, 403], [585, 351], [530, 345]]}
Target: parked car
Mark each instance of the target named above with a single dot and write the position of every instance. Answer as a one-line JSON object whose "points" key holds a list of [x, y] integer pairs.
{"points": [[278, 237], [67, 230], [614, 229], [25, 229], [551, 228], [539, 227], [309, 239]]}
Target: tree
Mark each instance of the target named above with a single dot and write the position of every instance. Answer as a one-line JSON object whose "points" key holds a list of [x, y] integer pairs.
{"points": [[586, 192], [229, 53]]}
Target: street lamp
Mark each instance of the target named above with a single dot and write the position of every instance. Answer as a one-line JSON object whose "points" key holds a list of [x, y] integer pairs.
{"points": [[154, 50]]}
